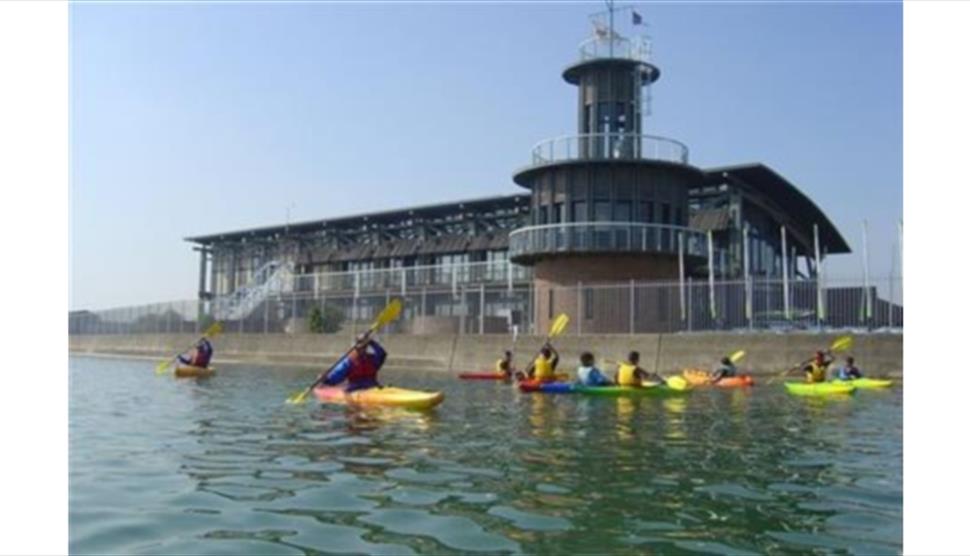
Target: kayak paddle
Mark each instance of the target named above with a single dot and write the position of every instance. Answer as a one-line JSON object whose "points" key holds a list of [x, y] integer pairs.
{"points": [[841, 343], [389, 313], [213, 330], [558, 327]]}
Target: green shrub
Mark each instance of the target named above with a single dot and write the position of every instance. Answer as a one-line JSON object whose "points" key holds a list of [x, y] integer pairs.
{"points": [[327, 320]]}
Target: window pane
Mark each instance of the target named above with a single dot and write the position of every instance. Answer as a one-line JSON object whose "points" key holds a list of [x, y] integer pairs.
{"points": [[602, 211]]}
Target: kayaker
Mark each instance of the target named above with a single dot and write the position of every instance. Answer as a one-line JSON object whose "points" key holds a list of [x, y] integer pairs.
{"points": [[360, 367], [849, 371], [199, 356], [587, 373], [816, 370], [543, 368], [504, 365], [725, 370], [629, 373]]}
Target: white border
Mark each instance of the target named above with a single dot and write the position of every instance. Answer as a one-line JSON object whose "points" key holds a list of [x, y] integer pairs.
{"points": [[33, 215], [935, 199]]}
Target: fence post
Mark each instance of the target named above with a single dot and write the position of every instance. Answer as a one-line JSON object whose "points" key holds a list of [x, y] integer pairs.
{"points": [[508, 274], [690, 303], [680, 280], [481, 309], [818, 280], [580, 294], [633, 293]]}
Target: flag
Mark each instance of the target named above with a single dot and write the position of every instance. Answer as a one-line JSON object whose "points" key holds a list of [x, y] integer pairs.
{"points": [[637, 20]]}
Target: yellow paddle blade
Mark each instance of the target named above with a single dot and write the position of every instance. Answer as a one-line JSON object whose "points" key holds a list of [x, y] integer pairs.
{"points": [[842, 344], [213, 330], [559, 325], [163, 366], [389, 313], [298, 397], [677, 383], [737, 356]]}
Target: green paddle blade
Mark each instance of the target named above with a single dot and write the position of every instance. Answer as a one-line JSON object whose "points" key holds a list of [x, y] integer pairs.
{"points": [[163, 366], [737, 356]]}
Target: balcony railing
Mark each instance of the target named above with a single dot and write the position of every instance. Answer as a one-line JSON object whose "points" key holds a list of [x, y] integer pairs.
{"points": [[609, 146], [616, 47], [600, 237]]}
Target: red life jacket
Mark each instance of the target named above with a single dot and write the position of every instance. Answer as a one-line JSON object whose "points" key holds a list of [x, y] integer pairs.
{"points": [[362, 369]]}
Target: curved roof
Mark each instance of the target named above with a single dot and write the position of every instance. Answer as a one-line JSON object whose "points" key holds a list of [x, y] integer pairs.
{"points": [[770, 184]]}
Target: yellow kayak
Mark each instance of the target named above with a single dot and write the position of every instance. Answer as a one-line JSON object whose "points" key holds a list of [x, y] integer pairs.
{"points": [[388, 396], [867, 383], [818, 388], [189, 371]]}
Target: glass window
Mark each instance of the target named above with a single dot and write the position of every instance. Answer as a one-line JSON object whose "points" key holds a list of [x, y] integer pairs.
{"points": [[622, 211], [558, 213], [579, 211], [665, 213], [647, 211], [680, 217], [601, 211]]}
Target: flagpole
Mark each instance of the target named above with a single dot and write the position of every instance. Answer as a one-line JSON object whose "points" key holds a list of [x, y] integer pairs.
{"points": [[865, 268], [710, 272], [747, 278], [818, 279], [784, 273]]}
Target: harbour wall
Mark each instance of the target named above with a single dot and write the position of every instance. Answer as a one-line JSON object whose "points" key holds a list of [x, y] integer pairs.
{"points": [[877, 354]]}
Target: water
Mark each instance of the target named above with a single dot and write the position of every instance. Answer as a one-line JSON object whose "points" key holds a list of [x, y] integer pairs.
{"points": [[222, 466]]}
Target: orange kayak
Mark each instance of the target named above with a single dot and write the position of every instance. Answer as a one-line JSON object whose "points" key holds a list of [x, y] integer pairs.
{"points": [[698, 377]]}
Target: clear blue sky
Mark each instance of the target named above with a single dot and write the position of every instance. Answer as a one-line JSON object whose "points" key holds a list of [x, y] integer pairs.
{"points": [[189, 119]]}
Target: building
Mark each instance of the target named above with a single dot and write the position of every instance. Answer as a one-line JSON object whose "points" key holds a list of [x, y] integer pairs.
{"points": [[608, 206]]}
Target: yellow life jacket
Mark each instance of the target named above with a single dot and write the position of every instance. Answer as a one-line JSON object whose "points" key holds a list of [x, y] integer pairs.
{"points": [[626, 375], [816, 372], [500, 366], [544, 370]]}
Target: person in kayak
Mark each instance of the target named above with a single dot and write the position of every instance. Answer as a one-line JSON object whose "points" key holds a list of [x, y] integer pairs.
{"points": [[816, 370], [629, 373], [587, 374], [848, 371], [725, 370], [360, 367], [543, 368], [199, 356], [504, 365]]}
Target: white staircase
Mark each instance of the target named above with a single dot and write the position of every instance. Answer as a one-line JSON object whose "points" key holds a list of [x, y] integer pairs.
{"points": [[272, 277]]}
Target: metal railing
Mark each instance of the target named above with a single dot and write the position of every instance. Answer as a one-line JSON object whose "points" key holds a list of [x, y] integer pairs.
{"points": [[621, 308], [404, 278], [596, 47], [627, 237], [609, 146]]}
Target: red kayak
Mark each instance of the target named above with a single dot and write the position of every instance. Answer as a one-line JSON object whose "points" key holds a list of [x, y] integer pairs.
{"points": [[483, 376]]}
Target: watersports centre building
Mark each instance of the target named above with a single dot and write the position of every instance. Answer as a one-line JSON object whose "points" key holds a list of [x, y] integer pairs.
{"points": [[607, 207]]}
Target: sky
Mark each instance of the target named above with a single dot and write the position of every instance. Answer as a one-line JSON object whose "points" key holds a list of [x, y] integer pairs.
{"points": [[189, 119]]}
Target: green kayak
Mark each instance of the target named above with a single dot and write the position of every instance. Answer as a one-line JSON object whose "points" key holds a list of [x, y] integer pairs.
{"points": [[866, 383], [819, 388], [648, 389]]}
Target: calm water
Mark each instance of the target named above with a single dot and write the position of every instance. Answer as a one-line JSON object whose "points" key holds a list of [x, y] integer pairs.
{"points": [[222, 466]]}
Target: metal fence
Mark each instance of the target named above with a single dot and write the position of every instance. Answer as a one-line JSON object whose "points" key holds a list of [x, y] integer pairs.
{"points": [[489, 308]]}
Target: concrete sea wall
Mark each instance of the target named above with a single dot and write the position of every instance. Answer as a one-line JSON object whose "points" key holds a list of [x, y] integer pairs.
{"points": [[767, 353]]}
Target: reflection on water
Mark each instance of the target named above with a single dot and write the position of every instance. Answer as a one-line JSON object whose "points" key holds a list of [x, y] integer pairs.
{"points": [[222, 466]]}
